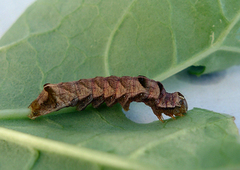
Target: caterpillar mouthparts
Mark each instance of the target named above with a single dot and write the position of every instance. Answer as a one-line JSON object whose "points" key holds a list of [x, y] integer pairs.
{"points": [[110, 90]]}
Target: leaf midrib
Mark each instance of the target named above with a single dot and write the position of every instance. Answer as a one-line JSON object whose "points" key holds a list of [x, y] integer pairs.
{"points": [[61, 148], [203, 54], [52, 146]]}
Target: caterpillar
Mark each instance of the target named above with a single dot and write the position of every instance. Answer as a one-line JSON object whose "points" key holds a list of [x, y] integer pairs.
{"points": [[110, 90]]}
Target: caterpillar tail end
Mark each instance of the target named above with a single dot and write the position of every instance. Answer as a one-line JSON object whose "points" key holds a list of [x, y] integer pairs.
{"points": [[33, 113]]}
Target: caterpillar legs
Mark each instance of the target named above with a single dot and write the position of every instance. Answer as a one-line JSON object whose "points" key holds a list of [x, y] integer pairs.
{"points": [[160, 117], [159, 112]]}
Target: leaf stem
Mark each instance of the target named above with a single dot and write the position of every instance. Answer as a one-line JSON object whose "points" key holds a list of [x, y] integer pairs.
{"points": [[24, 112], [14, 113]]}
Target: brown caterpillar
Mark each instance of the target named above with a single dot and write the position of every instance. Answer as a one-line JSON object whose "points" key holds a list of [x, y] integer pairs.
{"points": [[110, 90]]}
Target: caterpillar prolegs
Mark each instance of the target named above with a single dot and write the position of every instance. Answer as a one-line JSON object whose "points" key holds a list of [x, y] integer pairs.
{"points": [[110, 90]]}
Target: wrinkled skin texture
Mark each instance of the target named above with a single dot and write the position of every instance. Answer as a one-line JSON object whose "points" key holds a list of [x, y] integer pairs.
{"points": [[110, 90]]}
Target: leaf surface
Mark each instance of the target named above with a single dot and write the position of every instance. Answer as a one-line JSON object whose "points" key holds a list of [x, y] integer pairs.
{"points": [[105, 138], [68, 40], [55, 41]]}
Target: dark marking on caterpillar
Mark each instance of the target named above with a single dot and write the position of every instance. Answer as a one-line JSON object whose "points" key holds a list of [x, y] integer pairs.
{"points": [[110, 90]]}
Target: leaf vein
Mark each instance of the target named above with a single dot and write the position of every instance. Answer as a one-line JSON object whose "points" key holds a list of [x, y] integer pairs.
{"points": [[110, 39]]}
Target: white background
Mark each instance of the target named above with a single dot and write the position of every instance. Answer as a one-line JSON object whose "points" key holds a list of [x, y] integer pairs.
{"points": [[219, 92]]}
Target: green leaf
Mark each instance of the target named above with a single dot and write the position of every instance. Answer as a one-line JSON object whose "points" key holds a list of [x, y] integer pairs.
{"points": [[55, 41], [105, 138], [196, 70]]}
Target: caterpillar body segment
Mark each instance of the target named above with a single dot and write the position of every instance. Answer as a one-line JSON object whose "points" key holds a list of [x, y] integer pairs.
{"points": [[110, 90]]}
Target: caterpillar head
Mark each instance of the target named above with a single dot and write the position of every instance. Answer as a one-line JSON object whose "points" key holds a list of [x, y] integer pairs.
{"points": [[178, 111]]}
